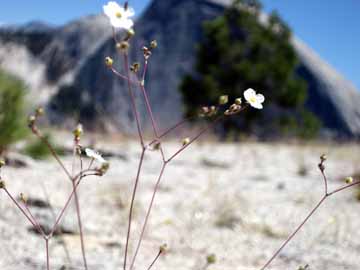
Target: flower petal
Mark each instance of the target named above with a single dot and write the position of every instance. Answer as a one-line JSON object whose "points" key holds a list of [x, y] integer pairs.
{"points": [[129, 12], [111, 9], [121, 23], [260, 98], [250, 93], [93, 154], [257, 105]]}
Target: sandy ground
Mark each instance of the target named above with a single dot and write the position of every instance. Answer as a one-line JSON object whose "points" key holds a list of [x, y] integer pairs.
{"points": [[237, 201]]}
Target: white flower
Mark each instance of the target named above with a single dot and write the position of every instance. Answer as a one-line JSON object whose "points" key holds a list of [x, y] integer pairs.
{"points": [[94, 155], [255, 100], [119, 16]]}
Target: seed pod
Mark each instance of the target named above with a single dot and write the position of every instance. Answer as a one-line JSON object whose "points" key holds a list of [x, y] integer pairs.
{"points": [[223, 99], [78, 131], [185, 141], [23, 198], [31, 120], [153, 44], [109, 61], [2, 184], [39, 111], [163, 248], [135, 67], [238, 101], [211, 259], [123, 46], [349, 180]]}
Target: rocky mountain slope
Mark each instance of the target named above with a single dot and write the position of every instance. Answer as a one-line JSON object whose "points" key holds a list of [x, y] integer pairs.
{"points": [[71, 74]]}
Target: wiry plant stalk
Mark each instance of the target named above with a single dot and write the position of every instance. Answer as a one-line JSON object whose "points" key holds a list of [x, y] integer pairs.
{"points": [[37, 133], [325, 196], [62, 212], [77, 203], [143, 228], [47, 254], [132, 207], [157, 139], [147, 102], [155, 260], [132, 99], [20, 208], [62, 240]]}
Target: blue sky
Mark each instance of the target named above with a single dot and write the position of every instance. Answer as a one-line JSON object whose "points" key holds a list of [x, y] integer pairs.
{"points": [[331, 27]]}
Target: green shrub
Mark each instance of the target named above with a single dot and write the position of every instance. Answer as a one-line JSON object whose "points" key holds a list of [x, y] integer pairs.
{"points": [[12, 111], [238, 52]]}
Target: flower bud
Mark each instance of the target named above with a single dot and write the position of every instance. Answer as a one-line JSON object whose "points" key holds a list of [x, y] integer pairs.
{"points": [[238, 101], [211, 259], [31, 120], [223, 99], [23, 198], [104, 168], [39, 111], [135, 67], [109, 61], [129, 34], [157, 145], [213, 110], [349, 180], [163, 248], [147, 52], [185, 141], [123, 46], [2, 163], [323, 158], [204, 111], [78, 131], [2, 184], [153, 44]]}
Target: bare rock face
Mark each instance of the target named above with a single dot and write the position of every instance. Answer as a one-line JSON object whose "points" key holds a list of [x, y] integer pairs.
{"points": [[20, 48], [177, 26], [334, 99], [73, 64]]}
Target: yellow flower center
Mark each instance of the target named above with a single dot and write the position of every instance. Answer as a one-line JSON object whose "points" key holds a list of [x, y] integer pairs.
{"points": [[118, 14], [252, 100]]}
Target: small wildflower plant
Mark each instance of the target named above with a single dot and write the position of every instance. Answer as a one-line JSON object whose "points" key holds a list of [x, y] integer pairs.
{"points": [[122, 26]]}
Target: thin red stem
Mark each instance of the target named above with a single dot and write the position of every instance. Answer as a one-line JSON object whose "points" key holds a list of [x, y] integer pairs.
{"points": [[47, 254], [148, 107], [38, 226], [344, 187], [167, 131], [64, 209], [327, 195], [117, 73], [155, 260], [66, 249], [147, 215], [204, 130], [132, 206], [132, 97], [52, 150], [77, 203], [144, 72], [325, 181], [294, 233], [20, 208]]}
